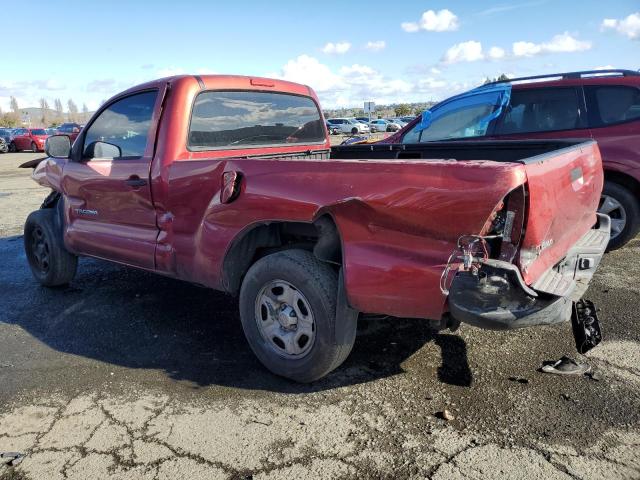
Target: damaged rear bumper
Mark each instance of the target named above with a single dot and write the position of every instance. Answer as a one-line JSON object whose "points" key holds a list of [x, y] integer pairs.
{"points": [[497, 298]]}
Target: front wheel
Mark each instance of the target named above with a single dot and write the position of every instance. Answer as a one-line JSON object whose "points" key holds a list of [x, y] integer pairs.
{"points": [[622, 207], [354, 130], [34, 147], [13, 148], [288, 313], [50, 262]]}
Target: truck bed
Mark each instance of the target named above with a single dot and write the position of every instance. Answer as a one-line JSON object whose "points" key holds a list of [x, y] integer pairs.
{"points": [[514, 151]]}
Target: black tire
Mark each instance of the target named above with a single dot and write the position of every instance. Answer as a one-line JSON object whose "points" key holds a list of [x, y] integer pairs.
{"points": [[50, 262], [319, 284], [631, 207], [354, 130], [13, 148], [34, 147]]}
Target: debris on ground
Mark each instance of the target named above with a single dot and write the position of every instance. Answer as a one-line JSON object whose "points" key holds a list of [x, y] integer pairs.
{"points": [[446, 415], [11, 458], [566, 366]]}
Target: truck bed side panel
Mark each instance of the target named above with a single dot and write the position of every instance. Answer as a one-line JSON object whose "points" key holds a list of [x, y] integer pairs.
{"points": [[398, 220]]}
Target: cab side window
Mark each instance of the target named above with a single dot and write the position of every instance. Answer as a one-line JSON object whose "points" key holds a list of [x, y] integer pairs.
{"points": [[541, 110], [121, 131], [609, 105]]}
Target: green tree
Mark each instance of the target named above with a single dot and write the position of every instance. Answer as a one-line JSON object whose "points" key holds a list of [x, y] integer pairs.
{"points": [[402, 110]]}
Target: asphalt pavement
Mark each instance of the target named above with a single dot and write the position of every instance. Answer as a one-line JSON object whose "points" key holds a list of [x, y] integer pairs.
{"points": [[124, 374]]}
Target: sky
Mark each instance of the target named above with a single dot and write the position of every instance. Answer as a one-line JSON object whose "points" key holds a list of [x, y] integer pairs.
{"points": [[349, 52]]}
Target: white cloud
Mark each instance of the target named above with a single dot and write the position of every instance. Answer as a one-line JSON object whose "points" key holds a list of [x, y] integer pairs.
{"points": [[470, 51], [435, 71], [309, 71], [338, 48], [432, 21], [170, 71], [376, 46], [496, 53], [349, 85], [629, 26], [561, 43]]}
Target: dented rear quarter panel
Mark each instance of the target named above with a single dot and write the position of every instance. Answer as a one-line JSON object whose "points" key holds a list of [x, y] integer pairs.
{"points": [[398, 220]]}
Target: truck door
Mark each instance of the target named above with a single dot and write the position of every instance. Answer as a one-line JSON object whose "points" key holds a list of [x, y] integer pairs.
{"points": [[109, 208]]}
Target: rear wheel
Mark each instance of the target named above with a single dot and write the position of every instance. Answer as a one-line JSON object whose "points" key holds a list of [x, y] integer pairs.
{"points": [[288, 313], [622, 207], [354, 130], [49, 260], [12, 147]]}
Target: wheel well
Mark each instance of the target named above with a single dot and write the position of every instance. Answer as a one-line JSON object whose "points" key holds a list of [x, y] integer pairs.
{"points": [[320, 237], [624, 180]]}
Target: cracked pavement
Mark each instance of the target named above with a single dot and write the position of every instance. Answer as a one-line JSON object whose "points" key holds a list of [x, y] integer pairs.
{"points": [[125, 374]]}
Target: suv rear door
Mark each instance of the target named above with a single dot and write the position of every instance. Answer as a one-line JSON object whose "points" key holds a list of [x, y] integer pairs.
{"points": [[543, 112], [109, 208], [614, 120]]}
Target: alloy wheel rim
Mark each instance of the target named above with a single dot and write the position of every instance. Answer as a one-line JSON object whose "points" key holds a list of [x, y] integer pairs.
{"points": [[611, 206], [285, 319]]}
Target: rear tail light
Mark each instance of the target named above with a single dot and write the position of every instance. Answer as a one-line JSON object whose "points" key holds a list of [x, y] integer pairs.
{"points": [[499, 239]]}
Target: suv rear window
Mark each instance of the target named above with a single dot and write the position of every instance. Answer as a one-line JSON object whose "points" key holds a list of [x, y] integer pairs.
{"points": [[236, 119], [543, 110], [612, 104]]}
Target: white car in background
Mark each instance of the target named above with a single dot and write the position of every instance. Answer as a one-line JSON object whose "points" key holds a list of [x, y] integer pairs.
{"points": [[348, 125], [383, 125]]}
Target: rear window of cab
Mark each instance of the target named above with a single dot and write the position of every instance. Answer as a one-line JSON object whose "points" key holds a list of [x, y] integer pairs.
{"points": [[246, 119]]}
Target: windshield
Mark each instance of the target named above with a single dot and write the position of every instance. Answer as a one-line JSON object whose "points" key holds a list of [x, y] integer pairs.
{"points": [[38, 131], [236, 118]]}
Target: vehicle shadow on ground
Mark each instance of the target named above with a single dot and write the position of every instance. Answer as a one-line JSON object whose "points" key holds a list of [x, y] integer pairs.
{"points": [[139, 320]]}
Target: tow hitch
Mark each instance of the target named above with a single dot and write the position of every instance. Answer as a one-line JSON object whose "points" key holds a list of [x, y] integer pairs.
{"points": [[586, 327]]}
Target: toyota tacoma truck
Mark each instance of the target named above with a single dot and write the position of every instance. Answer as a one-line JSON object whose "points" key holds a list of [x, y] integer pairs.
{"points": [[230, 182]]}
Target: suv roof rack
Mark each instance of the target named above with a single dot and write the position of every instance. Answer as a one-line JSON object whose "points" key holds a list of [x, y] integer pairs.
{"points": [[580, 74]]}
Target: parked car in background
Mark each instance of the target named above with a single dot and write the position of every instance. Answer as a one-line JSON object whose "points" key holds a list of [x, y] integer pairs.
{"points": [[6, 134], [365, 120], [600, 104], [332, 129], [398, 121], [70, 129], [28, 139], [383, 125], [4, 147], [348, 125], [50, 131]]}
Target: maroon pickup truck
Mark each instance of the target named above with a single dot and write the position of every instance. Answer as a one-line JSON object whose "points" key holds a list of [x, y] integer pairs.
{"points": [[230, 182]]}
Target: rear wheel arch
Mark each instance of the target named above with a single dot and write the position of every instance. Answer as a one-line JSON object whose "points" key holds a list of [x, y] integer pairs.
{"points": [[624, 180], [624, 191], [320, 237]]}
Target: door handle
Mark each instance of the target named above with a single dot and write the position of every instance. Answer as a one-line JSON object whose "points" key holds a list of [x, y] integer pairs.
{"points": [[135, 181]]}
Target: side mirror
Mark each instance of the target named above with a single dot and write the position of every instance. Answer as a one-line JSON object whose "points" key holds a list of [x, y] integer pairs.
{"points": [[58, 146]]}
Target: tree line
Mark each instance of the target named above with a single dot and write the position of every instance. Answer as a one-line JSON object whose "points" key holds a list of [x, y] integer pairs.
{"points": [[47, 116]]}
